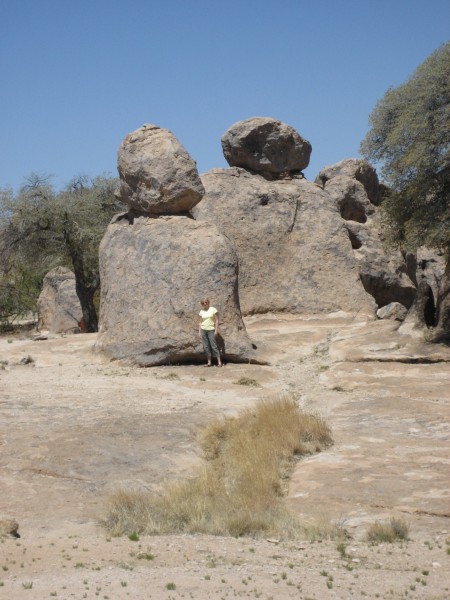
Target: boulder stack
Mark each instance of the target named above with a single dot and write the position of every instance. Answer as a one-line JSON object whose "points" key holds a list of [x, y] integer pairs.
{"points": [[266, 146], [156, 263]]}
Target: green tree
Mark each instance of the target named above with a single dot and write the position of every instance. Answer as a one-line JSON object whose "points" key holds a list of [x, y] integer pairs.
{"points": [[410, 139], [41, 229]]}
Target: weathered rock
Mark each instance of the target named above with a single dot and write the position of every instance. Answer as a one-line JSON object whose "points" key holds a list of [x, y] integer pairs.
{"points": [[358, 169], [293, 247], [393, 310], [266, 146], [154, 272], [385, 275], [351, 198], [430, 313], [414, 323], [58, 304], [157, 175]]}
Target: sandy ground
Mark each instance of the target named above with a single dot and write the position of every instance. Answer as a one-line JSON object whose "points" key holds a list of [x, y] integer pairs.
{"points": [[73, 428]]}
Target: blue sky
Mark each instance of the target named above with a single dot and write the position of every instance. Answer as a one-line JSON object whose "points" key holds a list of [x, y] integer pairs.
{"points": [[77, 76]]}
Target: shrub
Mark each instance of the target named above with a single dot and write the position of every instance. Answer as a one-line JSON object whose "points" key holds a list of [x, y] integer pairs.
{"points": [[239, 490], [395, 529], [248, 381]]}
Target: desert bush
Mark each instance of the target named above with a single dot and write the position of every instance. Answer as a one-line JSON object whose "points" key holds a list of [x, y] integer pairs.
{"points": [[395, 529], [248, 381], [239, 491]]}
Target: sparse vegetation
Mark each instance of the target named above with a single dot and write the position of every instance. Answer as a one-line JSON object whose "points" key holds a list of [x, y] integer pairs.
{"points": [[240, 489], [248, 381], [326, 530], [396, 529]]}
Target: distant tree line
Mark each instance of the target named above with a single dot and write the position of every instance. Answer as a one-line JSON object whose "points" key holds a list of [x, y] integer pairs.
{"points": [[41, 229]]}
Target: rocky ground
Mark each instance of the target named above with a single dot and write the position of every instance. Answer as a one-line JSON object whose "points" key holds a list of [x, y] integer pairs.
{"points": [[74, 428]]}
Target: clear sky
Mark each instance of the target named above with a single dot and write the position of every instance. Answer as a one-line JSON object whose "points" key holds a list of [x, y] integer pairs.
{"points": [[78, 75]]}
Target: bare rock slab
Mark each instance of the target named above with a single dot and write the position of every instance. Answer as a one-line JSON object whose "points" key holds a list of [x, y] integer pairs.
{"points": [[266, 145], [157, 175], [154, 272]]}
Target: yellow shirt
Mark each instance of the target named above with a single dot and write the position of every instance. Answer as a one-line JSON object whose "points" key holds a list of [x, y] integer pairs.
{"points": [[207, 317]]}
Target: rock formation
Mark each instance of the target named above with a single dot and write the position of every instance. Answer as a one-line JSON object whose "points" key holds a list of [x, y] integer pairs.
{"points": [[155, 269], [388, 276], [58, 304], [353, 168], [266, 146], [430, 281], [293, 247], [262, 238], [157, 175]]}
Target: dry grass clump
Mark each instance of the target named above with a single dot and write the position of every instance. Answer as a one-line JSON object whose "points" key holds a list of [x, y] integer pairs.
{"points": [[396, 529], [240, 489]]}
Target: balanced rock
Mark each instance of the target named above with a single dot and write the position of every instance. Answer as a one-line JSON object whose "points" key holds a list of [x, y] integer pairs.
{"points": [[157, 175], [58, 304], [293, 246], [154, 271], [355, 168], [266, 146]]}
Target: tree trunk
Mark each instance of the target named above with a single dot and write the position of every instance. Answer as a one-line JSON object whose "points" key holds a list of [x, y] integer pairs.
{"points": [[86, 285], [86, 298]]}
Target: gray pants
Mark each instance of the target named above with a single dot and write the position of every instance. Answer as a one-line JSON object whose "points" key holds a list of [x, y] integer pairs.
{"points": [[210, 344]]}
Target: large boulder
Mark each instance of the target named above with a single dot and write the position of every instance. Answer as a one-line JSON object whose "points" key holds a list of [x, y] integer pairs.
{"points": [[355, 168], [293, 247], [154, 272], [267, 146], [58, 304], [157, 175]]}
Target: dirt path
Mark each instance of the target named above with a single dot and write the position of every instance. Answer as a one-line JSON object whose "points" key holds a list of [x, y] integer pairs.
{"points": [[73, 428]]}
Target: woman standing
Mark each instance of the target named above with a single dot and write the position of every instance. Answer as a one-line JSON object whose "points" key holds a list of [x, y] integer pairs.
{"points": [[208, 328]]}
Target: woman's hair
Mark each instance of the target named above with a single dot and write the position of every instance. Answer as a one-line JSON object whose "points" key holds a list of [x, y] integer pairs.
{"points": [[203, 300]]}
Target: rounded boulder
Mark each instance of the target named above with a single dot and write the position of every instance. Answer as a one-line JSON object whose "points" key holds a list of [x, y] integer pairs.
{"points": [[267, 146], [157, 175]]}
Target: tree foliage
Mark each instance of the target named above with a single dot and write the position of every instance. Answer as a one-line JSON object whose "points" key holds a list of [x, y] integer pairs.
{"points": [[41, 229], [410, 138]]}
